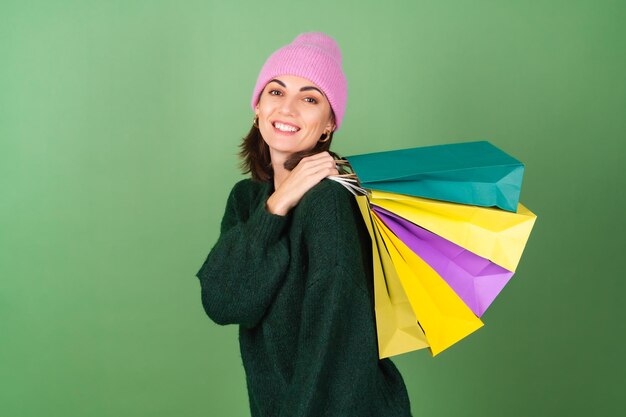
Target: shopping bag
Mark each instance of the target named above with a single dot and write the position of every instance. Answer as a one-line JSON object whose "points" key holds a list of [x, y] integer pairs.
{"points": [[473, 278], [475, 173], [441, 313], [396, 326], [491, 233]]}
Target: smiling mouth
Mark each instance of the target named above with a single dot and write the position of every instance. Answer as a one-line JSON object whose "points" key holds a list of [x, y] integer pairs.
{"points": [[285, 128]]}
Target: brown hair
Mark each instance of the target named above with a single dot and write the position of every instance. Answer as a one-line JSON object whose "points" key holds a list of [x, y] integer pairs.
{"points": [[255, 154]]}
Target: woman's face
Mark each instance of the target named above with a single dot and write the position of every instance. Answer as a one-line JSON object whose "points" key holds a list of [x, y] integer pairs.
{"points": [[293, 114]]}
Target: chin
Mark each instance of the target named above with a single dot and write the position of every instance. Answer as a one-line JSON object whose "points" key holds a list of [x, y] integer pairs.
{"points": [[285, 149], [283, 144]]}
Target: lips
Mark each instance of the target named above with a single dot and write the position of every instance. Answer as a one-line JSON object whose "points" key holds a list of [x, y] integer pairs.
{"points": [[284, 123]]}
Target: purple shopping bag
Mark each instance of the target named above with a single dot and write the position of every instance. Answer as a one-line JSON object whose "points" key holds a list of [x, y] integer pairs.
{"points": [[476, 280]]}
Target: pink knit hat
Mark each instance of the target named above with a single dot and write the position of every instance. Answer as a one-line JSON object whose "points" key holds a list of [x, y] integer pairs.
{"points": [[316, 57]]}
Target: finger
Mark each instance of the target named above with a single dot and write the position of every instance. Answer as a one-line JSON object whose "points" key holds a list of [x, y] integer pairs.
{"points": [[319, 155], [311, 159], [317, 159], [324, 172], [317, 165]]}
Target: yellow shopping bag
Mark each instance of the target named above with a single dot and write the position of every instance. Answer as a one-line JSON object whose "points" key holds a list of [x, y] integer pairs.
{"points": [[441, 313], [494, 234], [397, 328]]}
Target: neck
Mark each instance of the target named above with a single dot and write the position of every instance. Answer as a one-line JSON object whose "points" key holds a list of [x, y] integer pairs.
{"points": [[278, 165]]}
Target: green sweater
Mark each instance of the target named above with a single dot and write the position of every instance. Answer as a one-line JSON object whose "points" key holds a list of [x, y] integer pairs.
{"points": [[300, 286]]}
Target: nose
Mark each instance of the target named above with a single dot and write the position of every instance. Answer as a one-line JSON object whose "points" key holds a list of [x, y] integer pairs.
{"points": [[288, 106]]}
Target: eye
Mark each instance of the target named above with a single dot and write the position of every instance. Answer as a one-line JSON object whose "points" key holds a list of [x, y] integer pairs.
{"points": [[314, 100], [272, 91]]}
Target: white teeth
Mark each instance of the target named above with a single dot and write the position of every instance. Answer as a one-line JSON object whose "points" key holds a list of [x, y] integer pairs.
{"points": [[285, 128]]}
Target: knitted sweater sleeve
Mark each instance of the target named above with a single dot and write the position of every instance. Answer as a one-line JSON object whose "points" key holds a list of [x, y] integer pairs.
{"points": [[245, 266], [336, 348]]}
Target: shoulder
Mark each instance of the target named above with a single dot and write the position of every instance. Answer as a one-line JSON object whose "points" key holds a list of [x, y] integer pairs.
{"points": [[246, 189], [330, 207], [327, 196], [245, 185], [244, 195], [335, 233]]}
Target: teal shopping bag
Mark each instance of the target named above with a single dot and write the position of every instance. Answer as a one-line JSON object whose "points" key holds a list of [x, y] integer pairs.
{"points": [[476, 173]]}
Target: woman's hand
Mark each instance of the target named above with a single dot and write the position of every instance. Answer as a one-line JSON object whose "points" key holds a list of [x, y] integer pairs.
{"points": [[309, 171]]}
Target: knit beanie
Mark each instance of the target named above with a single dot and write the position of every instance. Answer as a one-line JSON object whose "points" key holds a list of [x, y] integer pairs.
{"points": [[316, 57]]}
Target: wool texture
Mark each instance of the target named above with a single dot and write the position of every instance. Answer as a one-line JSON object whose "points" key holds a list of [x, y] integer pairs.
{"points": [[300, 287]]}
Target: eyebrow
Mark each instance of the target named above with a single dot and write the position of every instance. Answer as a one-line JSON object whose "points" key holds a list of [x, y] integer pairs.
{"points": [[307, 88]]}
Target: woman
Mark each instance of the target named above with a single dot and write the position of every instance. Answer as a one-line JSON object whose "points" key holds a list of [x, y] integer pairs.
{"points": [[292, 265]]}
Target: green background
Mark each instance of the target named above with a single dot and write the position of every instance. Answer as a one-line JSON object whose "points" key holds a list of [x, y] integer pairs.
{"points": [[119, 127]]}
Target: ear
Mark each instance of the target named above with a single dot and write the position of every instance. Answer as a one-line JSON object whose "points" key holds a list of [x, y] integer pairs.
{"points": [[330, 126]]}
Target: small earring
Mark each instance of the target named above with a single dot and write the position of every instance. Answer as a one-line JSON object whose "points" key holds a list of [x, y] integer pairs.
{"points": [[255, 122], [326, 138]]}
